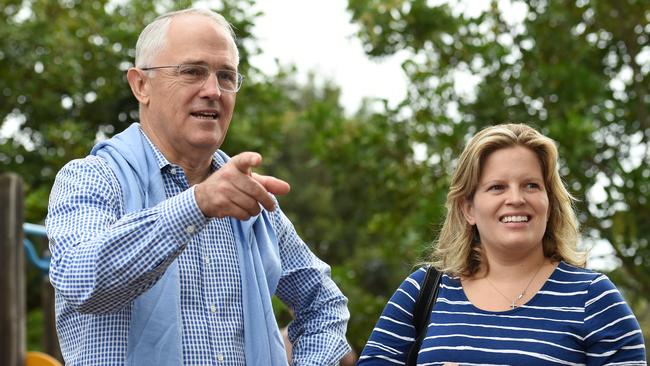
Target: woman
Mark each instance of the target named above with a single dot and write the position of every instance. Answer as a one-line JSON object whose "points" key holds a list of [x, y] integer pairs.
{"points": [[514, 290]]}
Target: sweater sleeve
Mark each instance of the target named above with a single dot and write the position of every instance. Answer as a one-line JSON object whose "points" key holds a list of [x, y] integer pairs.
{"points": [[613, 335], [394, 333]]}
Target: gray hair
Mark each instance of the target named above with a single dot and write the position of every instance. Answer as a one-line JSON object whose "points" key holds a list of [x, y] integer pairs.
{"points": [[154, 35]]}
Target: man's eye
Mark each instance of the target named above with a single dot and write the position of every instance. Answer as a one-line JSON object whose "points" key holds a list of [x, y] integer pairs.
{"points": [[226, 76], [193, 71]]}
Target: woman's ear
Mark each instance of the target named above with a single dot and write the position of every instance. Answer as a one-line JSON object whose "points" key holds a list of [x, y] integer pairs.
{"points": [[468, 211], [139, 85]]}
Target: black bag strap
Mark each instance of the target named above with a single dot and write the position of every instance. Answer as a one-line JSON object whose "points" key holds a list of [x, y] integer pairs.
{"points": [[422, 311]]}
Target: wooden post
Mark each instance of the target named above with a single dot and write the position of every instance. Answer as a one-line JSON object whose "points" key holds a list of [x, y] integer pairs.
{"points": [[12, 279]]}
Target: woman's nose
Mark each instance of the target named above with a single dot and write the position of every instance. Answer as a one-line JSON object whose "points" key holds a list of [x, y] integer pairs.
{"points": [[515, 197]]}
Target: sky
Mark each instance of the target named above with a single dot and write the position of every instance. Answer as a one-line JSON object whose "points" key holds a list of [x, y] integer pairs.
{"points": [[318, 35]]}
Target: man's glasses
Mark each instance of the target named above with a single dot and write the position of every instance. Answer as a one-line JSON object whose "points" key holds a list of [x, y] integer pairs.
{"points": [[228, 81]]}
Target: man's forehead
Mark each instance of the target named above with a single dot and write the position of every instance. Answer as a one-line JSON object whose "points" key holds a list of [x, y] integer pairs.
{"points": [[196, 32], [196, 23]]}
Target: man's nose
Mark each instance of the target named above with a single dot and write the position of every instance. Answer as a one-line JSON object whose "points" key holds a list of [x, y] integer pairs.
{"points": [[210, 87]]}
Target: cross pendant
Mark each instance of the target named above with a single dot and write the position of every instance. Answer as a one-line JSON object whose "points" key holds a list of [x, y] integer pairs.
{"points": [[513, 306]]}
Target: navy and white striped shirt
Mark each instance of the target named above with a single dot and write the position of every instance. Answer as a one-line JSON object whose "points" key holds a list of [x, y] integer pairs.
{"points": [[577, 318], [103, 258]]}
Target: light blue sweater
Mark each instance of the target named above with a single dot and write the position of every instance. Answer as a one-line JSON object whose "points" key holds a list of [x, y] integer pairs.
{"points": [[156, 315]]}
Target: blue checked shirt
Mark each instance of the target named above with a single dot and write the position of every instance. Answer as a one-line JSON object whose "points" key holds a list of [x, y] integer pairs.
{"points": [[103, 258]]}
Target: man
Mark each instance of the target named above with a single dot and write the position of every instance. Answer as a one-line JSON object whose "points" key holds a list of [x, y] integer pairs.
{"points": [[167, 252]]}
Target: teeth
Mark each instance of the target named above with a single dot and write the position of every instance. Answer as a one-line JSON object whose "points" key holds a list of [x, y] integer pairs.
{"points": [[515, 219], [205, 115]]}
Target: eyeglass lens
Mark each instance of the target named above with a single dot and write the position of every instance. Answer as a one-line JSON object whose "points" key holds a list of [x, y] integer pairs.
{"points": [[193, 74]]}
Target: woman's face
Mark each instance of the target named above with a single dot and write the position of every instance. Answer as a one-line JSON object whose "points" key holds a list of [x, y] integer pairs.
{"points": [[510, 207]]}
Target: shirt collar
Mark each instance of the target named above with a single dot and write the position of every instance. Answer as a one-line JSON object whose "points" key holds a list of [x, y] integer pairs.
{"points": [[217, 161]]}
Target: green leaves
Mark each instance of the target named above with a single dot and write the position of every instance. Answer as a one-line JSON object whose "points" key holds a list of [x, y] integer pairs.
{"points": [[368, 189], [578, 71], [63, 70]]}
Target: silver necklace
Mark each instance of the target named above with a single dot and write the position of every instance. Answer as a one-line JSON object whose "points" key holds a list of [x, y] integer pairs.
{"points": [[513, 303]]}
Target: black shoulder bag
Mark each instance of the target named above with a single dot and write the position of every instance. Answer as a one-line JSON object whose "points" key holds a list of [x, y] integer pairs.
{"points": [[422, 311]]}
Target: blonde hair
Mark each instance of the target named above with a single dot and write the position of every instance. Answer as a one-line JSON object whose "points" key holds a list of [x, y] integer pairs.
{"points": [[457, 250]]}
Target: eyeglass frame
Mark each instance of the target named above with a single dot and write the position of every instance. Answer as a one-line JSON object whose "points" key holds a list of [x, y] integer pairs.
{"points": [[240, 77]]}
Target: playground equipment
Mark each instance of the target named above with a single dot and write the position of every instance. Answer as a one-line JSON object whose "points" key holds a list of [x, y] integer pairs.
{"points": [[42, 264], [40, 359], [14, 248]]}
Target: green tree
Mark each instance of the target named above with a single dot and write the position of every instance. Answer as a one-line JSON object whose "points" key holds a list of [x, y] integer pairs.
{"points": [[362, 198], [356, 187], [577, 70], [63, 64], [63, 70]]}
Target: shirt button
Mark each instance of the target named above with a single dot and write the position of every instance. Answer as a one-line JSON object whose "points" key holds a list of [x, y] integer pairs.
{"points": [[220, 357], [213, 309], [172, 171], [207, 259], [190, 229]]}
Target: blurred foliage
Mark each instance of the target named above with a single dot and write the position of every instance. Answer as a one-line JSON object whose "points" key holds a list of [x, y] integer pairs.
{"points": [[368, 188], [577, 70], [35, 321]]}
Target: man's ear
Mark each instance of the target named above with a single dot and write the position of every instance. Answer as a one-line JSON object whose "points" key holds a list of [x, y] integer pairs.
{"points": [[139, 85], [468, 211]]}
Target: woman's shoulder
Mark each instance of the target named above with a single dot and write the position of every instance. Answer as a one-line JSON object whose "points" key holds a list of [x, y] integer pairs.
{"points": [[591, 283], [420, 273], [566, 271], [413, 283]]}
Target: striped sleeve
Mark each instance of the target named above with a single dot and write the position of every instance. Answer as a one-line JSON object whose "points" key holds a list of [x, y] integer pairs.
{"points": [[615, 336], [394, 332]]}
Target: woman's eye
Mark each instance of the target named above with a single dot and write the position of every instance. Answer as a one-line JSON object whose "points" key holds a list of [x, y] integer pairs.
{"points": [[496, 187], [532, 186]]}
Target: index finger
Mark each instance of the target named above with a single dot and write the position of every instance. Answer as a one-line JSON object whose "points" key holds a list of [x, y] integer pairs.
{"points": [[272, 184]]}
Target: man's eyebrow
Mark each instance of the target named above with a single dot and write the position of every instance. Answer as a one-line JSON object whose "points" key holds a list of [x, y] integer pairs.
{"points": [[228, 67], [193, 62], [201, 62]]}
